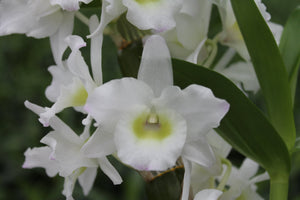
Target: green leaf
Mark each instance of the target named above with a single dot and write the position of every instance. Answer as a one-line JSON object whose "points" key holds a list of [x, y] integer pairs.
{"points": [[245, 127], [269, 68], [290, 48]]}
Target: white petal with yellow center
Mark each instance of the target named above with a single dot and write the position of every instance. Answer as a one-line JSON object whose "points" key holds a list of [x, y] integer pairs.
{"points": [[150, 140]]}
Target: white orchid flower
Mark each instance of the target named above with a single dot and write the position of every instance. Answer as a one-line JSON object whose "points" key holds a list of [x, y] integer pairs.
{"points": [[63, 155], [72, 81], [149, 122], [231, 35], [242, 182], [39, 19]]}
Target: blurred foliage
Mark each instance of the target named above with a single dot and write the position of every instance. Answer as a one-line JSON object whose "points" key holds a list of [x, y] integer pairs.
{"points": [[24, 76]]}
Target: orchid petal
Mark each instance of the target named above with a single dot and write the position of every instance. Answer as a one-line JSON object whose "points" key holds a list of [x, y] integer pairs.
{"points": [[40, 157], [70, 96], [87, 179], [61, 75], [259, 178], [186, 179], [46, 26], [56, 123], [100, 144], [248, 169], [69, 5], [66, 153], [197, 105], [218, 144], [192, 22], [155, 14], [156, 67], [150, 148], [117, 96], [109, 170], [242, 72], [208, 194], [111, 9], [96, 45], [76, 62], [193, 57], [200, 152], [57, 40]]}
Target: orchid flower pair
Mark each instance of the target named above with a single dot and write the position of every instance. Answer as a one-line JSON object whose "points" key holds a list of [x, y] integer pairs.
{"points": [[147, 122]]}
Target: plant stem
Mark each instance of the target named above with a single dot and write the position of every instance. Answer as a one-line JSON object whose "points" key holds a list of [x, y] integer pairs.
{"points": [[279, 188], [82, 18]]}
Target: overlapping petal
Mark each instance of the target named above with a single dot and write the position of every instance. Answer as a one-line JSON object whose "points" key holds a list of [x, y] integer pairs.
{"points": [[156, 67], [152, 14], [117, 97], [197, 105]]}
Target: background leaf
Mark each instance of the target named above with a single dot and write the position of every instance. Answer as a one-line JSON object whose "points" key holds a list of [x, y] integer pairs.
{"points": [[290, 48], [245, 127], [269, 68]]}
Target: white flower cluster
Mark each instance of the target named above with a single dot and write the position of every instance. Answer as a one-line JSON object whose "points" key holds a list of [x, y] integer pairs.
{"points": [[147, 123]]}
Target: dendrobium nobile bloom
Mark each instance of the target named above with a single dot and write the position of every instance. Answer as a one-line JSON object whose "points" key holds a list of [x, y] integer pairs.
{"points": [[149, 122], [63, 155]]}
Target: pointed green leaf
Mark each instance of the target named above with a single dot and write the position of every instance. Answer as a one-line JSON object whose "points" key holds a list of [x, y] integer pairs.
{"points": [[290, 48], [245, 127], [269, 68]]}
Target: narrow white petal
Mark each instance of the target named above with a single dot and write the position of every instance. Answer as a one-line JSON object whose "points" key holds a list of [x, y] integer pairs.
{"points": [[100, 144], [57, 40], [87, 178], [208, 194], [186, 179], [110, 171], [197, 105], [96, 47], [116, 97], [111, 9], [56, 123], [69, 185], [259, 178], [200, 152], [40, 157], [146, 147], [248, 169], [156, 67]]}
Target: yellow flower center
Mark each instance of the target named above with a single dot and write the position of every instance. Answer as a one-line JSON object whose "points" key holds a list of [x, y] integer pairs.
{"points": [[152, 126], [79, 98]]}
